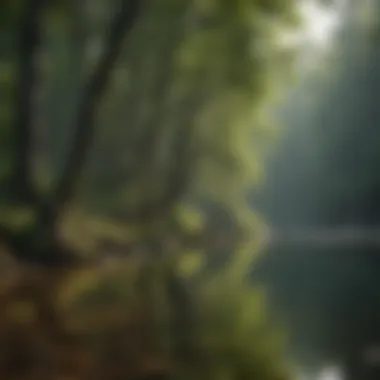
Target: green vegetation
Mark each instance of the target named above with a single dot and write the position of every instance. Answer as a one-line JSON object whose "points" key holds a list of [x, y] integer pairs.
{"points": [[124, 124]]}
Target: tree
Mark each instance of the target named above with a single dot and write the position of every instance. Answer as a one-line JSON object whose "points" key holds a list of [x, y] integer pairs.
{"points": [[179, 86]]}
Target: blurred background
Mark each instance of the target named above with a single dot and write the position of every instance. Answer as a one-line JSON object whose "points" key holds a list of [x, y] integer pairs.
{"points": [[188, 189], [320, 198]]}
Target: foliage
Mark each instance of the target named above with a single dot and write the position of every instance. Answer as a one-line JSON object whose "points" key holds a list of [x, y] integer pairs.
{"points": [[129, 119], [108, 328]]}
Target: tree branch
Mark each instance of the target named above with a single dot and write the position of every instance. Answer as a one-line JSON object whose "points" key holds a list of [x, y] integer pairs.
{"points": [[22, 181], [92, 95]]}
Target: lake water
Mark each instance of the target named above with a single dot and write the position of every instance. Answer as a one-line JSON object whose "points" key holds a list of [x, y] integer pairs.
{"points": [[327, 373]]}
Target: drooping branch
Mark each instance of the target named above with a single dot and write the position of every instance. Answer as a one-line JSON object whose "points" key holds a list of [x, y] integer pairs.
{"points": [[92, 95], [29, 40]]}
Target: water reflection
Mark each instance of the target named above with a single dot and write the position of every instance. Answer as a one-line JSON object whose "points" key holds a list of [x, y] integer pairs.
{"points": [[326, 373], [330, 373]]}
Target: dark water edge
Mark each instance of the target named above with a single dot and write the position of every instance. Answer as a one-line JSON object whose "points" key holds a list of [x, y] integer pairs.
{"points": [[329, 298]]}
